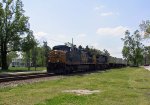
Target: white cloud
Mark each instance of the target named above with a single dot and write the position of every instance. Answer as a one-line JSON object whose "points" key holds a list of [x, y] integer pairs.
{"points": [[52, 39], [40, 34], [97, 8], [103, 12], [108, 13], [115, 52], [81, 35], [115, 31], [96, 45], [80, 39], [61, 37]]}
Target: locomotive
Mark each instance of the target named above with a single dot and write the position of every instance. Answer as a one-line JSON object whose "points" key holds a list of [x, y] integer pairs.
{"points": [[63, 59]]}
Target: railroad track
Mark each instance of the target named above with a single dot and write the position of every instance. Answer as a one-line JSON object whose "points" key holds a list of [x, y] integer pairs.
{"points": [[16, 77]]}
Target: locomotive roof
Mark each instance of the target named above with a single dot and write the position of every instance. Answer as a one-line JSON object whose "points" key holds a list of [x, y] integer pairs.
{"points": [[61, 47]]}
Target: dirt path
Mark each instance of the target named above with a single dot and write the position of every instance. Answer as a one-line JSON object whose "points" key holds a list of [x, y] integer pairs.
{"points": [[147, 67]]}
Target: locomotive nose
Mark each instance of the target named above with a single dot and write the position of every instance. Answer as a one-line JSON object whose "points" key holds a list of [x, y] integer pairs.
{"points": [[57, 56]]}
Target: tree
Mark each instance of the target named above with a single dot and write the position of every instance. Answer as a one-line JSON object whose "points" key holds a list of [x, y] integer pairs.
{"points": [[92, 51], [146, 55], [11, 55], [13, 24], [133, 48], [40, 56], [105, 52], [47, 49], [34, 56], [145, 26], [80, 47], [28, 43], [126, 53]]}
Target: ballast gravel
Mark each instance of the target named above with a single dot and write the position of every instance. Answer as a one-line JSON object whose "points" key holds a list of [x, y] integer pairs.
{"points": [[28, 81]]}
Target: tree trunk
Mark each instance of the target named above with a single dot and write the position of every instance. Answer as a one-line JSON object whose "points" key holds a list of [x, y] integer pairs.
{"points": [[4, 56], [135, 62], [4, 61], [145, 60], [28, 59]]}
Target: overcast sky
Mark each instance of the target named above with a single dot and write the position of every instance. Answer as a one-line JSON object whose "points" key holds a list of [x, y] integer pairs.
{"points": [[97, 23]]}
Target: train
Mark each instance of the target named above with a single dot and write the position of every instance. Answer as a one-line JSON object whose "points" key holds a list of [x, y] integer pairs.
{"points": [[63, 59]]}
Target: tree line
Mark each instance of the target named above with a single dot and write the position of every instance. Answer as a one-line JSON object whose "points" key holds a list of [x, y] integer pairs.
{"points": [[90, 50], [35, 57]]}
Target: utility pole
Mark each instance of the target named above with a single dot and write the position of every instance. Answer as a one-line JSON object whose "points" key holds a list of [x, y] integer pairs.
{"points": [[72, 42]]}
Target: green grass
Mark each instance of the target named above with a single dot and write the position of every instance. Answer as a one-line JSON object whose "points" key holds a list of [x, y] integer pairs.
{"points": [[126, 86], [19, 69]]}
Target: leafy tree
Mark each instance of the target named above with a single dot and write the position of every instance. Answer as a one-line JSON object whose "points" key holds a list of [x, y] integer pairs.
{"points": [[37, 56], [126, 53], [13, 24], [80, 47], [105, 52], [12, 54], [47, 49], [92, 51], [28, 43], [133, 48], [42, 56], [34, 56], [0, 61], [145, 26], [146, 55]]}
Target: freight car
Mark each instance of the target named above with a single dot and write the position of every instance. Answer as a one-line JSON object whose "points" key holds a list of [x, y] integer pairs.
{"points": [[64, 59]]}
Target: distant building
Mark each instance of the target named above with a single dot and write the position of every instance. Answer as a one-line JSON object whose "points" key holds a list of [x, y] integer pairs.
{"points": [[17, 62]]}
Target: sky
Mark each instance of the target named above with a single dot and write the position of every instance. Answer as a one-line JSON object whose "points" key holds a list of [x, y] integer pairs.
{"points": [[97, 23]]}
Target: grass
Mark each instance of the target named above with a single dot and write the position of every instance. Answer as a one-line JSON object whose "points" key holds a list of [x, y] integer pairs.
{"points": [[126, 86], [20, 69]]}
